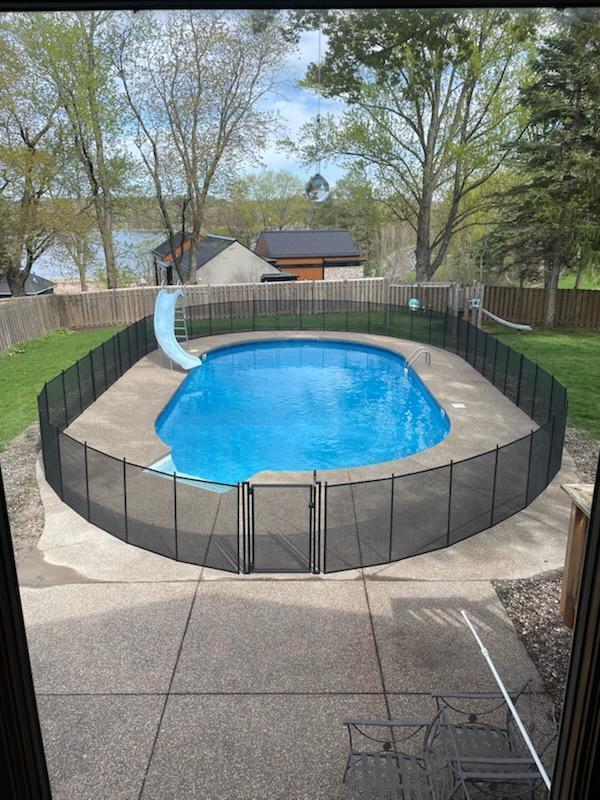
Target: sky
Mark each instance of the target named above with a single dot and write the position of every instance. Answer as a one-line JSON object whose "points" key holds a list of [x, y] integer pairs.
{"points": [[297, 106]]}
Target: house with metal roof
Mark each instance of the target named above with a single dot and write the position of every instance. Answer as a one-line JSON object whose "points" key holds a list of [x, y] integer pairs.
{"points": [[314, 255], [219, 260], [34, 284]]}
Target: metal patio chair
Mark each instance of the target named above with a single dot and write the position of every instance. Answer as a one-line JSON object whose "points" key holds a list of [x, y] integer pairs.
{"points": [[484, 746], [394, 760]]}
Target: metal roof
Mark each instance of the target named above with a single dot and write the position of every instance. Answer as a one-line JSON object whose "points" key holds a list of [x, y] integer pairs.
{"points": [[304, 244], [206, 248], [164, 248], [34, 284]]}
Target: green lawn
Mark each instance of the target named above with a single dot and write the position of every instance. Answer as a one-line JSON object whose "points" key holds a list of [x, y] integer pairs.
{"points": [[589, 282], [25, 369], [574, 359]]}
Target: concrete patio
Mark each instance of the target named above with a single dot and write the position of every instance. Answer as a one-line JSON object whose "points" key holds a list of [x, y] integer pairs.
{"points": [[163, 680]]}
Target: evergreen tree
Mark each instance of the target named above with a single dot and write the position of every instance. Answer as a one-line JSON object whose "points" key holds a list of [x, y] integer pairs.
{"points": [[549, 220]]}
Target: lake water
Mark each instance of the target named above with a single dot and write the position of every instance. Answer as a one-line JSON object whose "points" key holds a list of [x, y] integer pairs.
{"points": [[132, 248]]}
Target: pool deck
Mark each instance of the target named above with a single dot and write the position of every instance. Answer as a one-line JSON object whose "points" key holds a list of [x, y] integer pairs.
{"points": [[158, 680], [481, 417]]}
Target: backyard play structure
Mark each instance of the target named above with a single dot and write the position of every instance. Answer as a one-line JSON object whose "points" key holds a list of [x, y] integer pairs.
{"points": [[313, 526]]}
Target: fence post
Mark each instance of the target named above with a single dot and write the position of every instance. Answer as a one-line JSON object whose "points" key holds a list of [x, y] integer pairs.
{"points": [[104, 365], [347, 312], [445, 326], [137, 340], [210, 317], [550, 449], [429, 311], [551, 399], [519, 381], [449, 504], [253, 313], [239, 507], [125, 500], [59, 459], [495, 359], [117, 349], [325, 528], [62, 375], [391, 519], [528, 468], [485, 345], [494, 487], [318, 540], [93, 376], [87, 480], [79, 387], [46, 399], [127, 330], [535, 379], [369, 317], [410, 335], [175, 513], [508, 352], [468, 324]]}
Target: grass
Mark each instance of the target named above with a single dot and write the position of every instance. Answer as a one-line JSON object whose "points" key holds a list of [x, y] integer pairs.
{"points": [[572, 357], [24, 370], [589, 281]]}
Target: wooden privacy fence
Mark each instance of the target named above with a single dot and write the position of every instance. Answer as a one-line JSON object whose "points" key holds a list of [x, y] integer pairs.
{"points": [[26, 318], [575, 308]]}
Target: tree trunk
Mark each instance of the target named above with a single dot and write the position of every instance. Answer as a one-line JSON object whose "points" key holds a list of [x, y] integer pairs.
{"points": [[191, 278], [105, 228], [423, 248], [552, 284], [16, 278], [579, 278]]}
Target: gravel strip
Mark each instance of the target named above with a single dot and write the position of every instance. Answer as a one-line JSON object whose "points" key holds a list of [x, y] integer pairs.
{"points": [[533, 603], [25, 508], [584, 450]]}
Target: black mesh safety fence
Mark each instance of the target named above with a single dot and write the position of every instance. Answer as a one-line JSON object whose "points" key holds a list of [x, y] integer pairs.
{"points": [[420, 512], [282, 526], [106, 492], [312, 526], [151, 510], [72, 394], [73, 471]]}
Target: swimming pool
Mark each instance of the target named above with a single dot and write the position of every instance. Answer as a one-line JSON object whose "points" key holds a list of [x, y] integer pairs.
{"points": [[294, 405]]}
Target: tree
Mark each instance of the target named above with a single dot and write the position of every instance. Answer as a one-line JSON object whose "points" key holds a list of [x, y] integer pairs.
{"points": [[432, 96], [73, 50], [354, 206], [266, 200], [551, 217], [27, 161], [194, 84]]}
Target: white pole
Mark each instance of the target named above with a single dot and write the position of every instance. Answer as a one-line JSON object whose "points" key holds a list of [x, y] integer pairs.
{"points": [[509, 702]]}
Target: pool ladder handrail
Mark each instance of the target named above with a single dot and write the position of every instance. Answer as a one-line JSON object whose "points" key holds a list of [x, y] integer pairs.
{"points": [[420, 351]]}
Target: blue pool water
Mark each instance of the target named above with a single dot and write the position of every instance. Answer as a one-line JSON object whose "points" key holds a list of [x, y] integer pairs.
{"points": [[297, 405]]}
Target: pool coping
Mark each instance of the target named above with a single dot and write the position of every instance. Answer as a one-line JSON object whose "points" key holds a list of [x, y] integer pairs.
{"points": [[486, 419]]}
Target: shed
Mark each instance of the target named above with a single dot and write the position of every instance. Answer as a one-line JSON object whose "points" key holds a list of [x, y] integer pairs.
{"points": [[220, 260], [322, 254]]}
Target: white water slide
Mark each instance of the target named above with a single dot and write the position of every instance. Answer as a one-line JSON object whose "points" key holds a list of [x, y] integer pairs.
{"points": [[508, 324], [164, 329]]}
